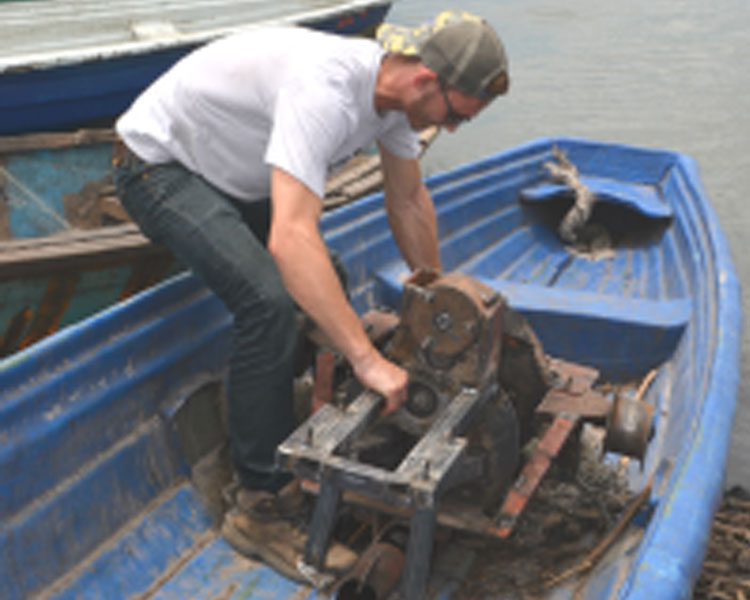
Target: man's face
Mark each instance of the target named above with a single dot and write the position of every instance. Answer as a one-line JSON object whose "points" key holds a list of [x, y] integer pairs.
{"points": [[440, 104]]}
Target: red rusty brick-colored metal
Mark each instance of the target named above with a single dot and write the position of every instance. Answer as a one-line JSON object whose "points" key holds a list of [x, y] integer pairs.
{"points": [[325, 365], [532, 473]]}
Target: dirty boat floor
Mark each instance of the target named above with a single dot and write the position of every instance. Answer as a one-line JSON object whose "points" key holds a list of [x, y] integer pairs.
{"points": [[173, 551]]}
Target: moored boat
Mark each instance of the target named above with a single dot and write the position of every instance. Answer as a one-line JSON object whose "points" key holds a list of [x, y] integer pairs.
{"points": [[67, 247], [66, 65], [109, 425]]}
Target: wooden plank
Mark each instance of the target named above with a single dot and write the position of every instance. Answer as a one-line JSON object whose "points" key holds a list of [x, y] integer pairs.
{"points": [[75, 250], [119, 244], [362, 175], [53, 141]]}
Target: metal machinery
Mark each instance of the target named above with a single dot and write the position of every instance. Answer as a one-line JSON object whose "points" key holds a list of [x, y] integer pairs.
{"points": [[480, 388]]}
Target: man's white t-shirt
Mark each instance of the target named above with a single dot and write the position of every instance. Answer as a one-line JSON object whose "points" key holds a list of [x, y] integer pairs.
{"points": [[288, 97]]}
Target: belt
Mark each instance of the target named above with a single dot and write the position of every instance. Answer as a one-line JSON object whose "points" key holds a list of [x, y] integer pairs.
{"points": [[121, 154]]}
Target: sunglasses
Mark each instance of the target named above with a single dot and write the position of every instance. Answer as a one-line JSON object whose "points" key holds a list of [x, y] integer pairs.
{"points": [[453, 117]]}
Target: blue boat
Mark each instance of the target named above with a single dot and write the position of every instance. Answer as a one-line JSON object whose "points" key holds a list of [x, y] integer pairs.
{"points": [[107, 426], [65, 65], [67, 247]]}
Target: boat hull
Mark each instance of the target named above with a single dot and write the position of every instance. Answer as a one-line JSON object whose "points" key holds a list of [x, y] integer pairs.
{"points": [[56, 93], [105, 426]]}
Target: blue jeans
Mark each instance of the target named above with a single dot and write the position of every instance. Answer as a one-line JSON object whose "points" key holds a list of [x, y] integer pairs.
{"points": [[223, 241]]}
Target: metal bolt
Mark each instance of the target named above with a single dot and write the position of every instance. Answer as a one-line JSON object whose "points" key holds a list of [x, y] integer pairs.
{"points": [[443, 320], [309, 437]]}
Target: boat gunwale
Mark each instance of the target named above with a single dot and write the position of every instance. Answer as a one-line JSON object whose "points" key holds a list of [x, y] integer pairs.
{"points": [[61, 58], [659, 572]]}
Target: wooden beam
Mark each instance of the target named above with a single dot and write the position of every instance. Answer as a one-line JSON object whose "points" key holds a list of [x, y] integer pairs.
{"points": [[46, 141], [75, 250]]}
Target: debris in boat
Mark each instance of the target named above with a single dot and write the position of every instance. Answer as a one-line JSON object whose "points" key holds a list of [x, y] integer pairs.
{"points": [[593, 556], [726, 569], [594, 243], [566, 527]]}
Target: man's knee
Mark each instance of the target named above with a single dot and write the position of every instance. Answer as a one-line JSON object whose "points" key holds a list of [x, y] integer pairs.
{"points": [[271, 317]]}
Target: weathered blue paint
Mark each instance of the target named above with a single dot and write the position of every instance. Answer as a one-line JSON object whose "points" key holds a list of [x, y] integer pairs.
{"points": [[37, 182], [88, 449]]}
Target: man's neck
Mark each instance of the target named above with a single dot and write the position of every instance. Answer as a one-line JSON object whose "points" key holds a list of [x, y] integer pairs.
{"points": [[392, 81]]}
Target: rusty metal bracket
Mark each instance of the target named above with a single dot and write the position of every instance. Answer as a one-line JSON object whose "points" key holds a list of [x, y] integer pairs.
{"points": [[317, 450]]}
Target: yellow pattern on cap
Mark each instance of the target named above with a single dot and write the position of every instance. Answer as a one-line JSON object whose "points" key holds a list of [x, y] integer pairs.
{"points": [[407, 40]]}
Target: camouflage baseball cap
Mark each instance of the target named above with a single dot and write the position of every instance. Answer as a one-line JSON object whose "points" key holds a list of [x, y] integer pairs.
{"points": [[462, 49]]}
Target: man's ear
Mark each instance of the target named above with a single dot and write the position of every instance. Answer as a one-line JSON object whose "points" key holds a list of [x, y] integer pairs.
{"points": [[424, 78]]}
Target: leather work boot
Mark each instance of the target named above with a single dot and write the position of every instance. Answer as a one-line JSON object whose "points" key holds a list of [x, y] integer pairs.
{"points": [[268, 527]]}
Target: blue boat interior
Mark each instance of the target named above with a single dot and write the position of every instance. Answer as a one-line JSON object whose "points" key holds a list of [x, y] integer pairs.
{"points": [[623, 313], [109, 428], [642, 198]]}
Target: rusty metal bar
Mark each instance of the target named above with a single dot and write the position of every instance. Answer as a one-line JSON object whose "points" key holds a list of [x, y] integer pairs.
{"points": [[531, 474], [322, 393]]}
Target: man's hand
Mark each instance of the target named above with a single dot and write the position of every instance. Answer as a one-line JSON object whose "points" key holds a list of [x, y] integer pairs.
{"points": [[384, 377]]}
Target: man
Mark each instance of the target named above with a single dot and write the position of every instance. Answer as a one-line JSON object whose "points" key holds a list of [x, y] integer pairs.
{"points": [[224, 161]]}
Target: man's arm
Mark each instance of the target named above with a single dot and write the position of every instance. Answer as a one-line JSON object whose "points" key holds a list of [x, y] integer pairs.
{"points": [[411, 213], [300, 253]]}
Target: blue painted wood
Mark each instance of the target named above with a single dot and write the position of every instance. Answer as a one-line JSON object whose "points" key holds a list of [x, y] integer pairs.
{"points": [[88, 454], [38, 181]]}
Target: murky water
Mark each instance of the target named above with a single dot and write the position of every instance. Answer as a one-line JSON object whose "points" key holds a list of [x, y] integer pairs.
{"points": [[660, 73]]}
